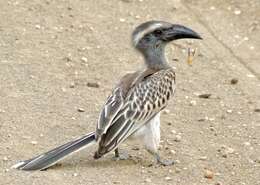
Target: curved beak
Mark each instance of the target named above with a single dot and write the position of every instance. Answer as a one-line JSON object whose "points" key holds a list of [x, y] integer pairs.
{"points": [[180, 32]]}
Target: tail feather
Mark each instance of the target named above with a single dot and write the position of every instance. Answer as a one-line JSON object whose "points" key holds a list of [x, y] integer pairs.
{"points": [[47, 159]]}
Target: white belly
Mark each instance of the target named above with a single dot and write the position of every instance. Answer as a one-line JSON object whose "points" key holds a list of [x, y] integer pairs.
{"points": [[149, 134]]}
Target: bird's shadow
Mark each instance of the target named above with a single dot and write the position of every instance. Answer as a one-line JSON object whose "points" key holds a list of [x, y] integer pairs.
{"points": [[104, 162]]}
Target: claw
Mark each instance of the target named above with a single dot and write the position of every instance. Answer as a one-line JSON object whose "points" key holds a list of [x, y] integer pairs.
{"points": [[163, 162]]}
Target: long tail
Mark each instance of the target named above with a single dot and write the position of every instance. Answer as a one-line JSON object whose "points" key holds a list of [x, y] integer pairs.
{"points": [[47, 159]]}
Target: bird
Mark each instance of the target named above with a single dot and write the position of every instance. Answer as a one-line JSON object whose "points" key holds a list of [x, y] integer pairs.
{"points": [[134, 106]]}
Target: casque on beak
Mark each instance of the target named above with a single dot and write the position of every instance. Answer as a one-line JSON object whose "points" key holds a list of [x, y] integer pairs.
{"points": [[180, 32]]}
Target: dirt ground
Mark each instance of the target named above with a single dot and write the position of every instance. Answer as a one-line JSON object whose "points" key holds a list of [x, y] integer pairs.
{"points": [[50, 51]]}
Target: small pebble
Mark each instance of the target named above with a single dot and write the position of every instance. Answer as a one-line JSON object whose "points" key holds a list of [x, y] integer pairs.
{"points": [[84, 59], [208, 174], [63, 89], [148, 180], [122, 20], [252, 47], [7, 170], [168, 142], [211, 119], [173, 131], [72, 85], [247, 143], [116, 182], [213, 8], [177, 138], [237, 12], [229, 111], [5, 158], [257, 160], [229, 150], [166, 111], [177, 170], [37, 26], [81, 110], [204, 96], [168, 178], [250, 75], [201, 119], [193, 103], [173, 152], [203, 158], [34, 142], [67, 59], [234, 81], [93, 84], [75, 174], [224, 155]]}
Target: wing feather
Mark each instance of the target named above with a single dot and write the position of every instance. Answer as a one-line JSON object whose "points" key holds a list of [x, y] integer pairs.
{"points": [[112, 106], [115, 102], [142, 103]]}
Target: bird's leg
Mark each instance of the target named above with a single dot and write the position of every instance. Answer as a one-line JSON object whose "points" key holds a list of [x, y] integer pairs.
{"points": [[159, 160], [120, 156], [116, 153], [151, 140]]}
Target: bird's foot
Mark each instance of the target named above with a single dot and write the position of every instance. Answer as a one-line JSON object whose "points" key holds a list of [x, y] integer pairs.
{"points": [[120, 156], [162, 162], [165, 162]]}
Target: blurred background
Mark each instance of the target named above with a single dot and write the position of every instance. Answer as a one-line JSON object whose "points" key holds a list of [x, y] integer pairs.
{"points": [[60, 59]]}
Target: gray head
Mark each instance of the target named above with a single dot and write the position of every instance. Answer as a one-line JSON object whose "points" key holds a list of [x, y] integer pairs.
{"points": [[151, 37]]}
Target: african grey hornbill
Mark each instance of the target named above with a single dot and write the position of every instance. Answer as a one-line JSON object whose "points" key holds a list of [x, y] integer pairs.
{"points": [[133, 109]]}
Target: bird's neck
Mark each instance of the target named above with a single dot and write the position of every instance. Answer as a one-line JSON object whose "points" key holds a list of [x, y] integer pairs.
{"points": [[155, 58]]}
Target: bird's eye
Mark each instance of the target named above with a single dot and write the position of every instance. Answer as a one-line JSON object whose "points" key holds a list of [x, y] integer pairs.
{"points": [[158, 32], [147, 38]]}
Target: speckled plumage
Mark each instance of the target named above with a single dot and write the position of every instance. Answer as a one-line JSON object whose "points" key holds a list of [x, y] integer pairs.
{"points": [[143, 101]]}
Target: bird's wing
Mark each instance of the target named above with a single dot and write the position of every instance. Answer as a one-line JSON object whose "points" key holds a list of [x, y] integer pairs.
{"points": [[144, 100], [115, 102]]}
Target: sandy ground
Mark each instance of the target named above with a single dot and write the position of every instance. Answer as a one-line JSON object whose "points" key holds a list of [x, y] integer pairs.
{"points": [[51, 50]]}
